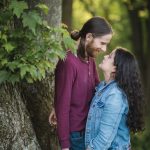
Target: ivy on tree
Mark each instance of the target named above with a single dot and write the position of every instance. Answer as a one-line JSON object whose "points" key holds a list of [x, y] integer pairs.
{"points": [[29, 47]]}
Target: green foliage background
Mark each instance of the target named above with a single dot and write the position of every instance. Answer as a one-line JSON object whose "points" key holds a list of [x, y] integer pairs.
{"points": [[115, 11], [29, 47]]}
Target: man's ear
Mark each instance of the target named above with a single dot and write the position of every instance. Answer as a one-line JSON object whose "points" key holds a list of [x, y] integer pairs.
{"points": [[89, 37]]}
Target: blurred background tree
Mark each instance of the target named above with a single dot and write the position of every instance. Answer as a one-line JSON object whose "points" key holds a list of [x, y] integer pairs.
{"points": [[130, 20]]}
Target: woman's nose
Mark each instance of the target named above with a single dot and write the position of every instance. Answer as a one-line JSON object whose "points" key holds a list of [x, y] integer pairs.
{"points": [[105, 56]]}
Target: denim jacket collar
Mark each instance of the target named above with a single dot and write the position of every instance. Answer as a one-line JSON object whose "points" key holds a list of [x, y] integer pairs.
{"points": [[103, 85]]}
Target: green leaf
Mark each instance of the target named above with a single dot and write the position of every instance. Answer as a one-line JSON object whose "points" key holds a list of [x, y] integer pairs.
{"points": [[31, 19], [8, 46], [4, 76], [6, 16], [42, 72], [43, 7], [12, 65], [29, 79], [67, 41], [4, 37], [45, 24], [2, 55], [3, 62], [33, 72], [13, 78], [48, 64], [23, 70], [18, 7]]}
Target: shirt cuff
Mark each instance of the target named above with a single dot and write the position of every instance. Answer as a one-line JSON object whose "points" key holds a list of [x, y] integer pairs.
{"points": [[65, 144]]}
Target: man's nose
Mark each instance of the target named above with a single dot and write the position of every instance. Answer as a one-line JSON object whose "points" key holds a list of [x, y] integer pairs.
{"points": [[104, 48]]}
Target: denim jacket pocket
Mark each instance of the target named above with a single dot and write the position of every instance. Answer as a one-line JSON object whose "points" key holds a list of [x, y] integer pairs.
{"points": [[100, 104], [98, 111]]}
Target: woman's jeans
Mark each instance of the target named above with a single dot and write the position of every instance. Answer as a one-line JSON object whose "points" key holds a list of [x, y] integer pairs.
{"points": [[77, 140]]}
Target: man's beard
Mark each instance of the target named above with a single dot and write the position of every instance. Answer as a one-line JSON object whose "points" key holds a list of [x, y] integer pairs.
{"points": [[90, 50]]}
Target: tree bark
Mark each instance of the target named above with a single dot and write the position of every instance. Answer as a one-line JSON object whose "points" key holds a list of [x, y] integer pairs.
{"points": [[67, 13], [16, 132], [137, 37], [25, 108], [55, 12], [39, 96], [148, 54]]}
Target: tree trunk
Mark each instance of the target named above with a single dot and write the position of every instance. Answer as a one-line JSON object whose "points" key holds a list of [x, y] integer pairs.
{"points": [[25, 108], [67, 13], [16, 128], [39, 96], [148, 61], [137, 37], [55, 12]]}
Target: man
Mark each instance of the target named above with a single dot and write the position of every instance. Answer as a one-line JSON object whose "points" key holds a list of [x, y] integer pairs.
{"points": [[75, 81]]}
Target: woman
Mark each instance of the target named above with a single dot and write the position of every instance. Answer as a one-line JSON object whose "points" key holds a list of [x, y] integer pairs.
{"points": [[75, 80], [117, 107]]}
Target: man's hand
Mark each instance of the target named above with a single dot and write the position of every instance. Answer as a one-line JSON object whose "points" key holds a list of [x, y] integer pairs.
{"points": [[52, 118]]}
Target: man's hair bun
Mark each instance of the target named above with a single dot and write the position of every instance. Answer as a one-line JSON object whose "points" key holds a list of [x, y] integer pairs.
{"points": [[75, 35]]}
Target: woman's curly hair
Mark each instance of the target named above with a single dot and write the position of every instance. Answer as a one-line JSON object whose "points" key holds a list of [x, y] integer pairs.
{"points": [[128, 78]]}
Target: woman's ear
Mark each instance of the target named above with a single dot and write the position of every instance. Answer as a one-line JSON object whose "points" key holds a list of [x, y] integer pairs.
{"points": [[113, 73], [114, 69]]}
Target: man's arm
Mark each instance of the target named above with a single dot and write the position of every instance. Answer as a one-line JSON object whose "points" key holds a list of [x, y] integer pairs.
{"points": [[64, 78]]}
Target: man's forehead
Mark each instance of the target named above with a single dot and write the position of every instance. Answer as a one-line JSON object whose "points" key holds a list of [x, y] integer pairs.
{"points": [[105, 38]]}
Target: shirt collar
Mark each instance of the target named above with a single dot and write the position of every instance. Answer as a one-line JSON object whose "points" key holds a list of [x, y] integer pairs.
{"points": [[104, 85]]}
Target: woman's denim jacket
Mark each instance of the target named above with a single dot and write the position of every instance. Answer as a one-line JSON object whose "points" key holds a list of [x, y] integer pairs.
{"points": [[106, 127]]}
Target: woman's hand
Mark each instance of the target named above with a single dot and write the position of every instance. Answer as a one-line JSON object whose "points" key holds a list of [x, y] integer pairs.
{"points": [[88, 148], [52, 118], [65, 149]]}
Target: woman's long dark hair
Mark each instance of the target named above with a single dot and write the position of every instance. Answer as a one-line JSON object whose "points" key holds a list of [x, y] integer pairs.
{"points": [[98, 26], [128, 78]]}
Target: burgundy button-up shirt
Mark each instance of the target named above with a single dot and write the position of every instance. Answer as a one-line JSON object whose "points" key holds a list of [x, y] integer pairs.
{"points": [[75, 82]]}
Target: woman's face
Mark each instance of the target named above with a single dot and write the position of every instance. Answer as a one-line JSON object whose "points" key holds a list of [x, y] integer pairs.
{"points": [[107, 64]]}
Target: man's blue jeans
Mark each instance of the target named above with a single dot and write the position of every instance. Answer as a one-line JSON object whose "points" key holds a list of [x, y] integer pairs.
{"points": [[77, 140]]}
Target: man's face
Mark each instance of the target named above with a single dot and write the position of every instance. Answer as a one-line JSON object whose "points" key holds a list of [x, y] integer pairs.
{"points": [[96, 45]]}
